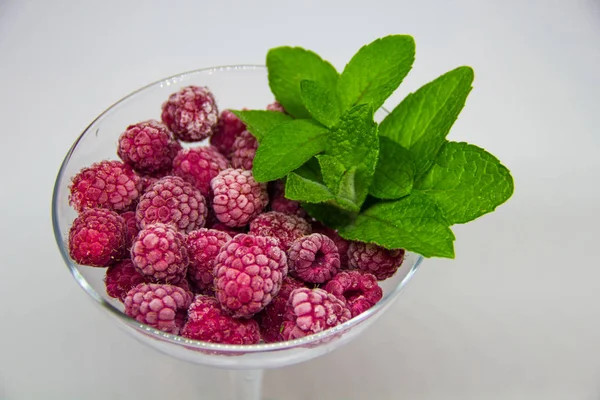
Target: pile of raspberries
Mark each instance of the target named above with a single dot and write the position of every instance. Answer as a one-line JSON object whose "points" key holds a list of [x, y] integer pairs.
{"points": [[196, 247]]}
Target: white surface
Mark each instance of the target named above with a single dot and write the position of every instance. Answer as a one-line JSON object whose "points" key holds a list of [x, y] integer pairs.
{"points": [[515, 316]]}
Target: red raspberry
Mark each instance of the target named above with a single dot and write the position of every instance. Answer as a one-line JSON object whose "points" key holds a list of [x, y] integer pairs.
{"points": [[312, 311], [224, 228], [191, 114], [313, 258], [207, 322], [160, 306], [359, 288], [159, 253], [237, 197], [107, 184], [172, 201], [131, 229], [271, 318], [97, 238], [280, 204], [199, 165], [248, 273], [244, 149], [276, 106], [369, 257], [120, 278], [284, 227], [341, 243], [203, 246], [148, 147], [227, 130]]}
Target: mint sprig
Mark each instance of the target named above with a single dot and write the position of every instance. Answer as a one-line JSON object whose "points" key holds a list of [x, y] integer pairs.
{"points": [[399, 184]]}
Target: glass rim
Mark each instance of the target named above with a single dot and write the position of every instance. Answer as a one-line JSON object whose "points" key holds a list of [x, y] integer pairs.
{"points": [[175, 339]]}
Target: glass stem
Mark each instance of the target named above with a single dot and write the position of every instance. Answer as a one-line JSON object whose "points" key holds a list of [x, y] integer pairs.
{"points": [[245, 384]]}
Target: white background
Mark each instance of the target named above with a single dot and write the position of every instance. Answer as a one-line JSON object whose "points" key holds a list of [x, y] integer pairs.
{"points": [[515, 316]]}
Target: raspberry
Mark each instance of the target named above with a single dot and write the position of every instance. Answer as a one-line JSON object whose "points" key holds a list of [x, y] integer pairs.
{"points": [[359, 288], [148, 147], [248, 273], [203, 246], [131, 229], [271, 318], [224, 228], [199, 165], [120, 278], [276, 106], [172, 201], [312, 311], [107, 184], [160, 306], [341, 243], [313, 258], [286, 228], [280, 204], [369, 257], [243, 151], [227, 130], [97, 238], [237, 197], [191, 114], [207, 322], [159, 253]]}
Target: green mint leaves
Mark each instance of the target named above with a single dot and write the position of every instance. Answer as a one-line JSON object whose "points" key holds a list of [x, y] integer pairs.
{"points": [[400, 183]]}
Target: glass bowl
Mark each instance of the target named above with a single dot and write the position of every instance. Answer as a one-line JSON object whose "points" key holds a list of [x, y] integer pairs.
{"points": [[234, 87]]}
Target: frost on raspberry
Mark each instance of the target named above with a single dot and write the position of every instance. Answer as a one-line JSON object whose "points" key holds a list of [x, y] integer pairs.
{"points": [[243, 151], [227, 130], [284, 227], [160, 306], [172, 201], [271, 319], [341, 243], [203, 246], [276, 106], [369, 257], [238, 198], [248, 274], [359, 288], [106, 184], [191, 114], [207, 322], [160, 254], [97, 238], [121, 277], [313, 258], [199, 165]]}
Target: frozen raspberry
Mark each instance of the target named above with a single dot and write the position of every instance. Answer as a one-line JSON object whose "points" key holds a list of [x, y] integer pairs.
{"points": [[359, 288], [148, 147], [120, 278], [203, 246], [97, 238], [284, 227], [280, 204], [312, 311], [107, 184], [131, 229], [271, 318], [313, 258], [237, 197], [276, 106], [199, 165], [341, 243], [248, 273], [369, 257], [159, 253], [244, 149], [224, 228], [163, 307], [191, 114], [207, 322], [172, 201], [227, 130]]}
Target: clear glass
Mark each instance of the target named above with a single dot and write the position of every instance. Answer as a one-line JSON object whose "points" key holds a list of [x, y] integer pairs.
{"points": [[234, 87]]}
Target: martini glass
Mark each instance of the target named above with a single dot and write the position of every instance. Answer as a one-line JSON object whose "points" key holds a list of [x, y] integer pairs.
{"points": [[235, 87]]}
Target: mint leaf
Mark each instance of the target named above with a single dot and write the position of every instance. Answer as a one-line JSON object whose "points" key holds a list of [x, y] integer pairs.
{"points": [[466, 182], [414, 223], [421, 122], [259, 122], [300, 188], [330, 215], [376, 70], [340, 181], [286, 147], [322, 103], [395, 171], [288, 66]]}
